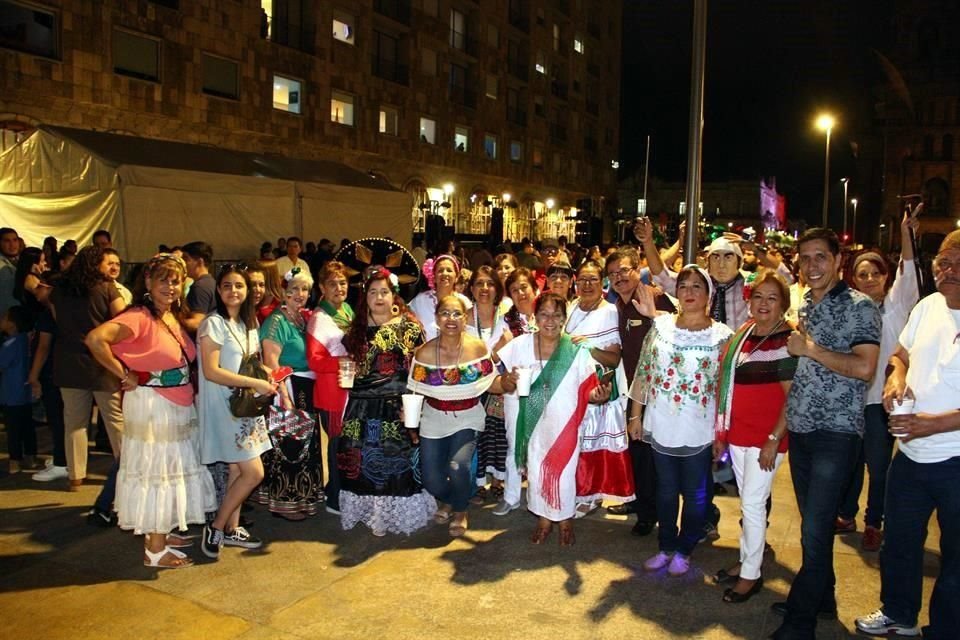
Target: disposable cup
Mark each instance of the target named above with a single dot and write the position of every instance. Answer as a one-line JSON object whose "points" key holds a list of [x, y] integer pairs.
{"points": [[902, 409], [412, 405], [523, 381], [348, 371]]}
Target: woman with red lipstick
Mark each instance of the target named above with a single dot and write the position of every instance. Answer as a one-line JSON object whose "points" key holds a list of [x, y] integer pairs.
{"points": [[675, 391]]}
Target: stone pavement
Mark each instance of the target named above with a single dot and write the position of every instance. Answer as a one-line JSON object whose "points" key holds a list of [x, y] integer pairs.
{"points": [[62, 578]]}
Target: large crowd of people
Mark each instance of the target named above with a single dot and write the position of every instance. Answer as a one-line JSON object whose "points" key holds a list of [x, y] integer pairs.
{"points": [[629, 375]]}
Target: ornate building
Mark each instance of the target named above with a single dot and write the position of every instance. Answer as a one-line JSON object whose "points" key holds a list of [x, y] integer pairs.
{"points": [[919, 110], [488, 112]]}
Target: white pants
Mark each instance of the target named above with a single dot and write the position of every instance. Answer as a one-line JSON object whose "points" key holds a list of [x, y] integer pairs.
{"points": [[513, 483], [755, 484]]}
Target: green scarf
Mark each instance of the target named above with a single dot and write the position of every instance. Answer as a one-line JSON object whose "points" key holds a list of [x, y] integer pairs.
{"points": [[727, 373], [541, 392], [342, 317]]}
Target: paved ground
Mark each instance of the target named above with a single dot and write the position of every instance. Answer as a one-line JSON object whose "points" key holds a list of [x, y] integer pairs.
{"points": [[62, 578]]}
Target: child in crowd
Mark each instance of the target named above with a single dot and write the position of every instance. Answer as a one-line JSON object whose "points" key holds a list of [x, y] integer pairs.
{"points": [[15, 391]]}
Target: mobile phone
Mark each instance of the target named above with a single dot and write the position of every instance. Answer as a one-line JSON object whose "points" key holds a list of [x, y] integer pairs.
{"points": [[607, 376]]}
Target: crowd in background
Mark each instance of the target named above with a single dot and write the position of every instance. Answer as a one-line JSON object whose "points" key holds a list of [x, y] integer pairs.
{"points": [[318, 378]]}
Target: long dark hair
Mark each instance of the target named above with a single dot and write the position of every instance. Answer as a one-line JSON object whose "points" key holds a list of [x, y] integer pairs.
{"points": [[355, 338], [28, 258], [485, 270], [247, 313], [160, 266], [83, 274]]}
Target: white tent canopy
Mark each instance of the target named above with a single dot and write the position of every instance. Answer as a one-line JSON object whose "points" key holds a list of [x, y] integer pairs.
{"points": [[68, 183]]}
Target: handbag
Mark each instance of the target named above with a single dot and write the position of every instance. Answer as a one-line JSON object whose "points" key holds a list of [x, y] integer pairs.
{"points": [[244, 401]]}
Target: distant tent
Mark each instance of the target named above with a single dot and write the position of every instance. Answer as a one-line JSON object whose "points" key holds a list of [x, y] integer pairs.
{"points": [[68, 183]]}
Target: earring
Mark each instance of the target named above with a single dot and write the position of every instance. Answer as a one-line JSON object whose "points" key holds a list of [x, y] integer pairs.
{"points": [[395, 310], [146, 296]]}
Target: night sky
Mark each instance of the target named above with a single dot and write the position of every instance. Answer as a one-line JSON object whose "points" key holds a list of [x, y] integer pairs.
{"points": [[770, 68]]}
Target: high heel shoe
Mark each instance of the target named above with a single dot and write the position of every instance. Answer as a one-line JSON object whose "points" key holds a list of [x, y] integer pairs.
{"points": [[734, 597]]}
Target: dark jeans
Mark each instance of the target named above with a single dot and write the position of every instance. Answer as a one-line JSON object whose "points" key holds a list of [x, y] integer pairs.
{"points": [[914, 490], [875, 452], [104, 502], [690, 477], [53, 407], [645, 480], [21, 432], [446, 467], [821, 463]]}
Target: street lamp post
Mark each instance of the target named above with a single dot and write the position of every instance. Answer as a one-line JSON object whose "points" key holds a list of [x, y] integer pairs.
{"points": [[853, 232], [846, 183], [825, 122]]}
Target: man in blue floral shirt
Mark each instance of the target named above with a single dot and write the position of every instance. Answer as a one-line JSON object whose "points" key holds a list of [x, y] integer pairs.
{"points": [[837, 343]]}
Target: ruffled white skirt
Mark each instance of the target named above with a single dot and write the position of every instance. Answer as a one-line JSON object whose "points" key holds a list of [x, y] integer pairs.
{"points": [[161, 485]]}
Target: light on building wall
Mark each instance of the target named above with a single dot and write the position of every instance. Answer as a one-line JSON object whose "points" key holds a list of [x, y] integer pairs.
{"points": [[448, 189], [550, 203], [958, 223], [506, 197], [615, 164]]}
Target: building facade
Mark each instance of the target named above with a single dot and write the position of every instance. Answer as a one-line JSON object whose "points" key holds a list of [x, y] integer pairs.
{"points": [[488, 112], [919, 118]]}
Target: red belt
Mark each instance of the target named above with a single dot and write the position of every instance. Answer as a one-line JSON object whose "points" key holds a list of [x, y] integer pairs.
{"points": [[453, 405]]}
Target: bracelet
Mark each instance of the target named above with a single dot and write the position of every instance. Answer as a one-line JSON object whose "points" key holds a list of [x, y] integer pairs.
{"points": [[632, 418]]}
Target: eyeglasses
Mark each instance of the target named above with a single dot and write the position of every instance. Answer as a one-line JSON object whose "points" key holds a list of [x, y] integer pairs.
{"points": [[559, 275], [622, 274], [588, 280], [452, 314]]}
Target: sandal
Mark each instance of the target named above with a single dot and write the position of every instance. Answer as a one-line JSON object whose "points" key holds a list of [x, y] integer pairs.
{"points": [[566, 535], [498, 493], [152, 559], [724, 576], [458, 526], [177, 541], [584, 509], [479, 497], [540, 534], [442, 516], [735, 597]]}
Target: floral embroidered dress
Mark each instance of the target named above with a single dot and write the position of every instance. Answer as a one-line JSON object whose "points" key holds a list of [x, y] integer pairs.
{"points": [[677, 381], [378, 463], [452, 395]]}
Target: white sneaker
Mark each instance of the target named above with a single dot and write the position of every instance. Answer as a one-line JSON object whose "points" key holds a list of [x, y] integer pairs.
{"points": [[52, 472], [657, 562], [679, 565], [503, 508]]}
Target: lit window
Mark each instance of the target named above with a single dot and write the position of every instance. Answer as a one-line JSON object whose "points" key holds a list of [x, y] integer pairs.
{"points": [[341, 108], [136, 56], [578, 44], [461, 139], [286, 94], [389, 121], [428, 131], [556, 37], [29, 29], [516, 151], [343, 27], [458, 34], [492, 86], [220, 77], [490, 146], [541, 65]]}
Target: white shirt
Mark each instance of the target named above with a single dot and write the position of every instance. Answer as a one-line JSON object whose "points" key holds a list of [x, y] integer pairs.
{"points": [[898, 302], [284, 264], [930, 338]]}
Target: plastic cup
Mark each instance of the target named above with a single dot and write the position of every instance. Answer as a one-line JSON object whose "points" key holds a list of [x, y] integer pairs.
{"points": [[412, 405], [523, 382], [902, 409], [348, 371]]}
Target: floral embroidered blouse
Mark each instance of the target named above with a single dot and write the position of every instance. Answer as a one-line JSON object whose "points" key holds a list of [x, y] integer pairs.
{"points": [[676, 379], [453, 393]]}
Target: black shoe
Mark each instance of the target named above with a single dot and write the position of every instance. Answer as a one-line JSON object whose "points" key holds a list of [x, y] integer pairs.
{"points": [[623, 509], [211, 542], [780, 608], [733, 597], [99, 518], [642, 528], [725, 577]]}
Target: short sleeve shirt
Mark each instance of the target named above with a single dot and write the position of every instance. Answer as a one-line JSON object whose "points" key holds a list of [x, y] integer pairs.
{"points": [[202, 296], [73, 365], [821, 398]]}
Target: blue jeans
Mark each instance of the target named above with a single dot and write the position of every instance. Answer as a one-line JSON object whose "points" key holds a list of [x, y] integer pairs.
{"points": [[914, 490], [446, 467], [104, 501], [821, 463], [876, 452], [690, 477]]}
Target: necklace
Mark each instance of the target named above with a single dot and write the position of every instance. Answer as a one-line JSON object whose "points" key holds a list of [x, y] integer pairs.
{"points": [[570, 330], [295, 318], [741, 360], [539, 347], [459, 352]]}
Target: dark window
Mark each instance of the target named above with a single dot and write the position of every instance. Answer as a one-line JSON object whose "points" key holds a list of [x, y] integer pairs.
{"points": [[385, 58], [289, 24], [136, 56], [927, 147], [28, 29], [947, 151], [220, 77]]}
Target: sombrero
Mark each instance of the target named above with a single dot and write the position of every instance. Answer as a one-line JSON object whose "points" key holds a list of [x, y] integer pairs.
{"points": [[360, 255]]}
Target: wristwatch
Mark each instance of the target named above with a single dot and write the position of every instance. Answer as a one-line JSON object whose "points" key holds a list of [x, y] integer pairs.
{"points": [[773, 437]]}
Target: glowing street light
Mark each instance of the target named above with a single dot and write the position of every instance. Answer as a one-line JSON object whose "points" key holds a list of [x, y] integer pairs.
{"points": [[853, 232], [506, 197], [448, 189], [825, 122], [550, 203]]}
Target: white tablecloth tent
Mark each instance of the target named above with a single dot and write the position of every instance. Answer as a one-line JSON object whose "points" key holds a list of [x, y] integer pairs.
{"points": [[68, 183]]}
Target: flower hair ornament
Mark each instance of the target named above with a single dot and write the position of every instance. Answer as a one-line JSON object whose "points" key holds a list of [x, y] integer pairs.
{"points": [[748, 285], [430, 267], [383, 274], [428, 272], [290, 275]]}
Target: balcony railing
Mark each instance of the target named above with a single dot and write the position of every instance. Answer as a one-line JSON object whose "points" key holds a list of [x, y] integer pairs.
{"points": [[390, 70], [398, 10], [463, 96]]}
